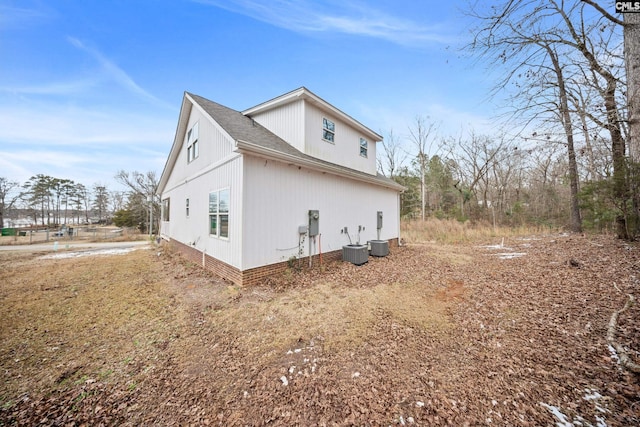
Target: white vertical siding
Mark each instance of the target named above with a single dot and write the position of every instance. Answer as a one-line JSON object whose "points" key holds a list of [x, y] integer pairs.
{"points": [[217, 167], [214, 146], [277, 198], [300, 124], [194, 229], [345, 150], [286, 121]]}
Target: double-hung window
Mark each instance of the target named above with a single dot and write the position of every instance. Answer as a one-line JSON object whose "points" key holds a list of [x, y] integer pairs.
{"points": [[219, 213], [364, 147], [328, 130], [165, 209], [192, 143]]}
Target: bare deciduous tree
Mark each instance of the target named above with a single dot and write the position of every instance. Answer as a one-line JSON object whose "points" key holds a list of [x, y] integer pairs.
{"points": [[422, 135], [556, 41], [632, 62], [392, 157], [142, 195], [8, 197]]}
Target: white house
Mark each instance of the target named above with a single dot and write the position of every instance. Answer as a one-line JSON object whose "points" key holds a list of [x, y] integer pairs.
{"points": [[247, 193]]}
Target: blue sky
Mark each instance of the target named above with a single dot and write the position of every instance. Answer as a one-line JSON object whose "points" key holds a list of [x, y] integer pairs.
{"points": [[88, 88]]}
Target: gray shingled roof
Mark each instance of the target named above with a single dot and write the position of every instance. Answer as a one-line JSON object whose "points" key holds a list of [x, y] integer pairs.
{"points": [[244, 128]]}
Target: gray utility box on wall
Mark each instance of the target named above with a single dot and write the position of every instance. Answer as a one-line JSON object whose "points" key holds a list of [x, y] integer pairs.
{"points": [[314, 223], [379, 247], [355, 254]]}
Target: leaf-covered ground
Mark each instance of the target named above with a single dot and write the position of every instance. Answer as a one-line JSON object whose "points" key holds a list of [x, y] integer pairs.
{"points": [[504, 333]]}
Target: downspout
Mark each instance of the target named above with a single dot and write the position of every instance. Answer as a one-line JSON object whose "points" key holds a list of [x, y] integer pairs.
{"points": [[399, 213]]}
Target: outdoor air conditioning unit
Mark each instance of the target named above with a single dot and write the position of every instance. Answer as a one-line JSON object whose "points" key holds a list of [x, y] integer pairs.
{"points": [[379, 247], [355, 254]]}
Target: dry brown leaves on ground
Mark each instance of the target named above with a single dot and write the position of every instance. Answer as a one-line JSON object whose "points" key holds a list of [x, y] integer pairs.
{"points": [[510, 334]]}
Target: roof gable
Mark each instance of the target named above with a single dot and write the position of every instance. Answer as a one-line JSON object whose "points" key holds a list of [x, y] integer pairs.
{"points": [[312, 98], [253, 138], [242, 128]]}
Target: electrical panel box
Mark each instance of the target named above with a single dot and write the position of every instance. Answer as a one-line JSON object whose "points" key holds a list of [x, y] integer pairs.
{"points": [[379, 220], [314, 223]]}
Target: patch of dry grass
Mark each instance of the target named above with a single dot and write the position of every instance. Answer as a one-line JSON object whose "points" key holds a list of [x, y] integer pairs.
{"points": [[65, 321], [451, 231], [75, 319], [343, 317]]}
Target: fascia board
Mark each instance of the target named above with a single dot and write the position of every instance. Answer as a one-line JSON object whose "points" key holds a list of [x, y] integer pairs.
{"points": [[250, 148], [275, 102], [185, 112], [188, 103], [211, 119], [328, 108], [306, 94]]}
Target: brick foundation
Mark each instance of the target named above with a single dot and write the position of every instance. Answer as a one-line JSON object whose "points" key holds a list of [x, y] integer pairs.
{"points": [[252, 276]]}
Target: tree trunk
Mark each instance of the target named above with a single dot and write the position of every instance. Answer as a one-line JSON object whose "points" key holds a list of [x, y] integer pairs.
{"points": [[423, 187], [620, 184], [632, 63], [591, 169], [576, 220]]}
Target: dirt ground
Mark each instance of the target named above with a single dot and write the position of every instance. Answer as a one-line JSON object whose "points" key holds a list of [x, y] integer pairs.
{"points": [[496, 333]]}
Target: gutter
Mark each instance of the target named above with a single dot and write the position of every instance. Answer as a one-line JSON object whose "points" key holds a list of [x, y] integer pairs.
{"points": [[248, 147]]}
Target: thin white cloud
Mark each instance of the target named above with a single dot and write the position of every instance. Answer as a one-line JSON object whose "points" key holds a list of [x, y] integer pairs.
{"points": [[19, 17], [13, 168], [75, 126], [353, 18], [53, 88], [85, 168], [116, 73]]}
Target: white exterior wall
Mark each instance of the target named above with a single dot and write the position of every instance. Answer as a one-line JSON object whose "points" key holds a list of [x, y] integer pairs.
{"points": [[286, 121], [216, 168], [215, 145], [277, 198], [345, 150]]}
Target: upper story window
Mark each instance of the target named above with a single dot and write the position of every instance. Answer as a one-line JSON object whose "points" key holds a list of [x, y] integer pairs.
{"points": [[219, 213], [328, 130], [192, 143], [364, 147]]}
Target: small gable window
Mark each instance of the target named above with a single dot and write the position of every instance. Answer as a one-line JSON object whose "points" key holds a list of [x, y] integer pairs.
{"points": [[328, 130], [364, 147], [192, 143]]}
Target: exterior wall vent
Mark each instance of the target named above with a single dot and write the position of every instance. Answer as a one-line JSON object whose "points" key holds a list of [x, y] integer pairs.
{"points": [[355, 254], [379, 247]]}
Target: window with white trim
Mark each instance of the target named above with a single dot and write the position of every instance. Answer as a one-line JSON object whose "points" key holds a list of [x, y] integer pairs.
{"points": [[364, 147], [219, 213], [192, 143], [165, 209], [328, 130]]}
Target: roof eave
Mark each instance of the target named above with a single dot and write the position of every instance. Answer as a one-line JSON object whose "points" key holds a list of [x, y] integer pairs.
{"points": [[306, 94], [251, 148], [185, 109]]}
